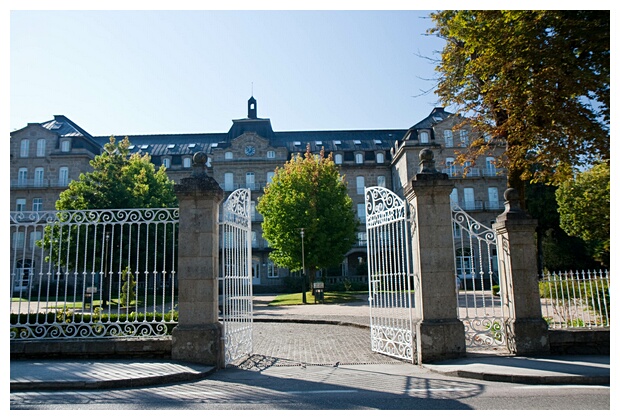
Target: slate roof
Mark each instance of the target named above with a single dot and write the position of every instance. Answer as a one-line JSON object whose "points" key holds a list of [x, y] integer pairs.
{"points": [[294, 141], [65, 128]]}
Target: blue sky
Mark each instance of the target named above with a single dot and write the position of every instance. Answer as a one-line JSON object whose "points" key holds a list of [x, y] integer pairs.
{"points": [[159, 72]]}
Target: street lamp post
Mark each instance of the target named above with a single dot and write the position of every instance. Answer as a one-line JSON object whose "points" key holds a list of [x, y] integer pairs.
{"points": [[303, 265]]}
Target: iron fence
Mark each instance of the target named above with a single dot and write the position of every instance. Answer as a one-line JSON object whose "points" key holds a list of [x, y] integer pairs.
{"points": [[93, 273], [575, 299]]}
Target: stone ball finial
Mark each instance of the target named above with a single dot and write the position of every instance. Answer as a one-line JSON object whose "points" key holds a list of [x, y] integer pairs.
{"points": [[511, 194], [511, 203], [200, 158], [427, 163]]}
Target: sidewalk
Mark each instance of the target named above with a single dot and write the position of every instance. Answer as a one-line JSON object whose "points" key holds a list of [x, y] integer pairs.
{"points": [[89, 374]]}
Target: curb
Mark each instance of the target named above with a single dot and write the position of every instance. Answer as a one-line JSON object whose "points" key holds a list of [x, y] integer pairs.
{"points": [[111, 383], [526, 379]]}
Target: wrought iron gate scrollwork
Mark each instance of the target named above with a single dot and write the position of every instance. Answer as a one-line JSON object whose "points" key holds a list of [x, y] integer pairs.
{"points": [[480, 307], [236, 279], [390, 286]]}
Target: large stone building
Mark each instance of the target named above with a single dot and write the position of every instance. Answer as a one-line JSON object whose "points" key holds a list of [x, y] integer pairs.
{"points": [[46, 156]]}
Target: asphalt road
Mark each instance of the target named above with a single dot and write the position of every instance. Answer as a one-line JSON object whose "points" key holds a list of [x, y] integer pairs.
{"points": [[259, 384]]}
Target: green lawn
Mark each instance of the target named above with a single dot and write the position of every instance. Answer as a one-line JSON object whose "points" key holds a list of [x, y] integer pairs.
{"points": [[330, 297]]}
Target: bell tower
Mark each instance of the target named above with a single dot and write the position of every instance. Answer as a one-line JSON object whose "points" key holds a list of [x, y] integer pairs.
{"points": [[252, 108]]}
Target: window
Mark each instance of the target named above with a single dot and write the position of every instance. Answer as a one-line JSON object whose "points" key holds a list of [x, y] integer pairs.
{"points": [[229, 181], [20, 204], [18, 240], [360, 184], [38, 177], [24, 147], [41, 147], [381, 181], [493, 198], [362, 238], [254, 239], [249, 180], [37, 204], [464, 262], [22, 177], [65, 146], [271, 154], [34, 237], [187, 162], [454, 197], [228, 155], [166, 162], [450, 167], [270, 177], [380, 158], [338, 159], [464, 138], [490, 166], [361, 212], [468, 199], [253, 210], [63, 176], [359, 158], [424, 137], [447, 137], [272, 269]]}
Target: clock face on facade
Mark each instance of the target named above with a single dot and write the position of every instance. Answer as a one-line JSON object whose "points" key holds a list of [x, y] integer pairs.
{"points": [[250, 150]]}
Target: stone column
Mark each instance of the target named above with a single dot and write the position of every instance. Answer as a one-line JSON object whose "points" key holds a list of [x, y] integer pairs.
{"points": [[526, 330], [198, 335], [440, 334]]}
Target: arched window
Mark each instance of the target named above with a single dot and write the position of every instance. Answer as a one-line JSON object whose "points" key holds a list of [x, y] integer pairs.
{"points": [[24, 148]]}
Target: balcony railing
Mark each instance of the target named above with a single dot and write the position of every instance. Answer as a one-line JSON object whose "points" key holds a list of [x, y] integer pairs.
{"points": [[45, 183], [458, 171]]}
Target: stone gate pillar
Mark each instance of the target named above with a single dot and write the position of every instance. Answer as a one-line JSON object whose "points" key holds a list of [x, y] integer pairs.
{"points": [[526, 330], [439, 333], [198, 335]]}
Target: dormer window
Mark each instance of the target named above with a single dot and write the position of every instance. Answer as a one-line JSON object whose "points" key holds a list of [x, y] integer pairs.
{"points": [[187, 162], [228, 155], [166, 162], [338, 159], [65, 146], [380, 158], [271, 154], [359, 158], [423, 137]]}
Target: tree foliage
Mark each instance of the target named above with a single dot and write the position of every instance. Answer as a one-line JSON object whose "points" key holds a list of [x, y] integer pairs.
{"points": [[584, 207], [119, 180], [557, 251], [535, 81], [309, 193]]}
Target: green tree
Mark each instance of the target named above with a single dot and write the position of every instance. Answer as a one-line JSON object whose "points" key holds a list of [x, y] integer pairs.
{"points": [[557, 251], [309, 193], [584, 207], [119, 180], [128, 290], [534, 81]]}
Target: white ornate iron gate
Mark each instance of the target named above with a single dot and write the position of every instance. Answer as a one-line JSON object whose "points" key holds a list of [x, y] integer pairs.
{"points": [[479, 300], [236, 280], [390, 285]]}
